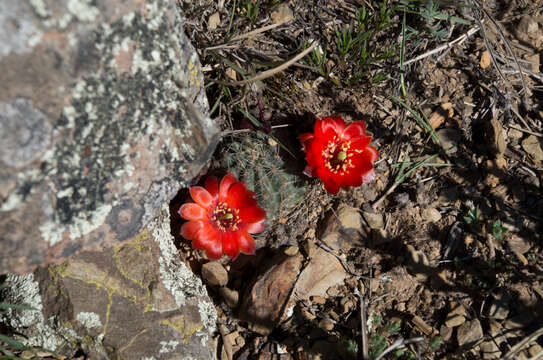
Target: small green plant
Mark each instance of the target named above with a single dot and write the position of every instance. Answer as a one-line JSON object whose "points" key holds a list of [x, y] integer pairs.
{"points": [[435, 343], [381, 339], [472, 217], [251, 9], [254, 158], [498, 230]]}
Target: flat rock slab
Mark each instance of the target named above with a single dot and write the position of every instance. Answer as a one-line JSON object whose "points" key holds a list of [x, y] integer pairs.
{"points": [[133, 301], [102, 119]]}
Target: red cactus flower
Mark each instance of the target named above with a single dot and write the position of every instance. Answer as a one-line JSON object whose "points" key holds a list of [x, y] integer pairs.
{"points": [[339, 154], [222, 217]]}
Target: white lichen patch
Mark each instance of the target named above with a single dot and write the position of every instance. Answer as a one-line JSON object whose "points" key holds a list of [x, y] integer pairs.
{"points": [[177, 277], [168, 346], [52, 232], [16, 39], [83, 10], [89, 320], [40, 8], [25, 290]]}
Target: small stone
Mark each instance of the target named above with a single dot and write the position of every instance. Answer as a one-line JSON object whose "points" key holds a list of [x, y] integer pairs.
{"points": [[533, 147], [457, 315], [291, 250], [445, 332], [318, 300], [231, 297], [282, 14], [514, 134], [431, 215], [343, 229], [485, 60], [326, 325], [263, 305], [469, 333], [490, 351], [499, 308], [214, 21], [214, 273], [322, 274], [518, 244], [496, 140], [374, 219], [455, 320], [534, 62]]}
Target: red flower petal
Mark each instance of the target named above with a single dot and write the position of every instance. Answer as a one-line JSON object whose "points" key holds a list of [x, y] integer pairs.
{"points": [[328, 127], [212, 186], [230, 243], [256, 228], [246, 243], [207, 237], [192, 211], [356, 128], [191, 228], [226, 182], [372, 153], [214, 252], [251, 214], [239, 197], [201, 196], [304, 138], [331, 187], [360, 142]]}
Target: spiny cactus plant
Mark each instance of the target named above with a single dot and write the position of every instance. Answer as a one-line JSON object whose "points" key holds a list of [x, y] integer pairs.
{"points": [[254, 159]]}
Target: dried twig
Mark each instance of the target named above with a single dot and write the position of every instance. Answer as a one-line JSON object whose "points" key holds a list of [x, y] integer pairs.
{"points": [[518, 347], [459, 40], [363, 326]]}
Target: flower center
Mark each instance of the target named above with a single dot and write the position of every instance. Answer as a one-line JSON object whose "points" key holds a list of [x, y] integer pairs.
{"points": [[225, 218], [336, 156]]}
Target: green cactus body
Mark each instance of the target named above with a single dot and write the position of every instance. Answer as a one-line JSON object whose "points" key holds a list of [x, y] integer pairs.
{"points": [[253, 160]]}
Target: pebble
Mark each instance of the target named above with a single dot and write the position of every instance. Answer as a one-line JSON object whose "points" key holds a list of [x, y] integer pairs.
{"points": [[231, 297], [445, 332], [214, 21], [318, 300], [469, 333], [291, 250], [490, 351], [326, 325], [431, 215], [456, 316], [532, 146], [214, 274], [374, 219], [499, 308]]}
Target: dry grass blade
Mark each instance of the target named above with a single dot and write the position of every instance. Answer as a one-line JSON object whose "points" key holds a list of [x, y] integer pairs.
{"points": [[269, 73], [399, 344]]}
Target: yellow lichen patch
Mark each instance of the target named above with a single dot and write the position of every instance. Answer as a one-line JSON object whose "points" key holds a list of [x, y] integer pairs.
{"points": [[178, 323], [131, 341], [193, 74]]}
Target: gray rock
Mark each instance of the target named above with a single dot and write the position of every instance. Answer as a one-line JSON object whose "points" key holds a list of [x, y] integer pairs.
{"points": [[214, 273], [469, 334], [102, 120], [132, 301]]}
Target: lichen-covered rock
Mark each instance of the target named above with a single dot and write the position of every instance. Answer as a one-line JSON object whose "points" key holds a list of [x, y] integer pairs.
{"points": [[102, 119], [133, 301]]}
